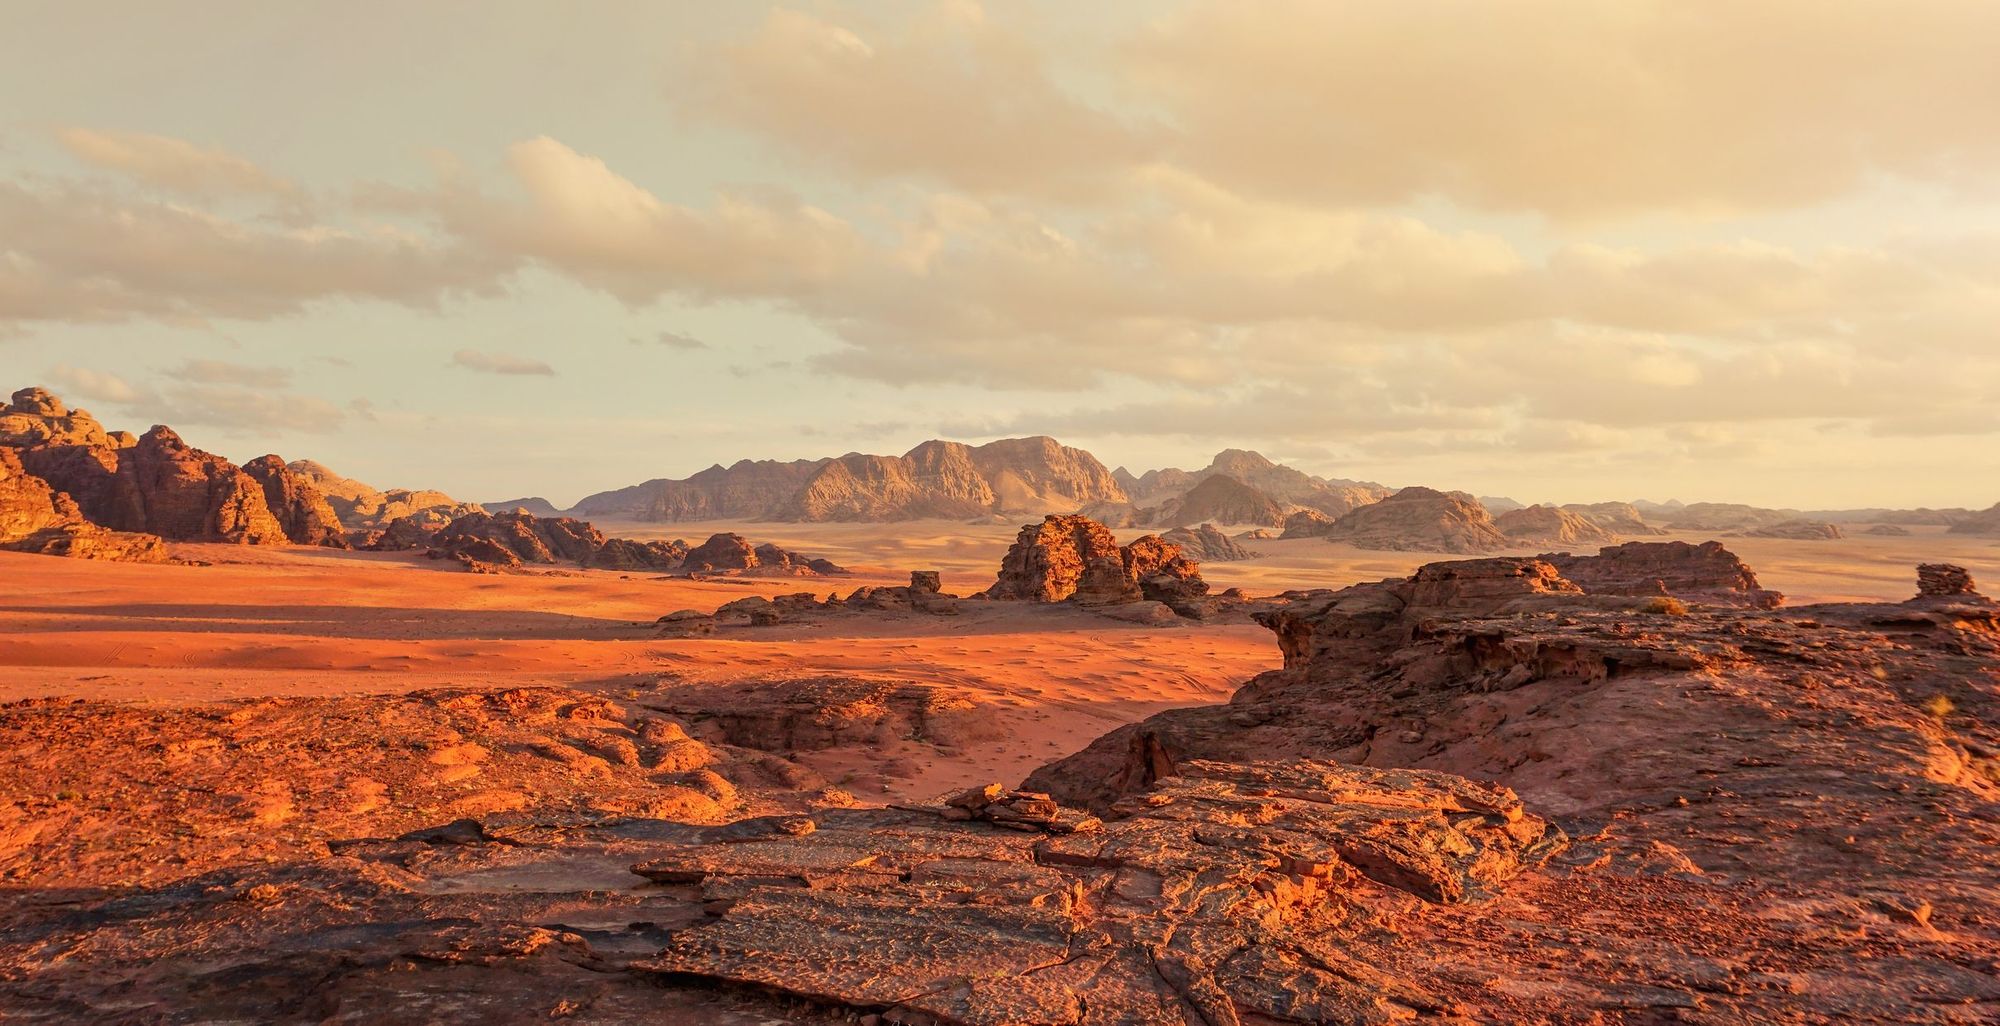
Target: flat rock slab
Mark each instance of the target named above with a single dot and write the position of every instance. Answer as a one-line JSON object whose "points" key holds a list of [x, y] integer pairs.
{"points": [[1215, 891]]}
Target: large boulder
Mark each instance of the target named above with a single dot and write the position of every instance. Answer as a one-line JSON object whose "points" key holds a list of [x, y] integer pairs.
{"points": [[27, 503], [1062, 559]]}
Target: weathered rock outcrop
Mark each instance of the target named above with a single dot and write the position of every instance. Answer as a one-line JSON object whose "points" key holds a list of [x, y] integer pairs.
{"points": [[37, 417], [1888, 530], [1707, 573], [27, 503], [301, 509], [1726, 516], [160, 485], [1207, 544], [534, 504], [728, 551], [510, 539], [1422, 520], [1548, 525], [85, 540], [1065, 558], [1945, 581], [1207, 902]]}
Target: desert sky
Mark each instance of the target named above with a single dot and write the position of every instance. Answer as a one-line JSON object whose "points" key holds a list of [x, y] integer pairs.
{"points": [[1565, 251]]}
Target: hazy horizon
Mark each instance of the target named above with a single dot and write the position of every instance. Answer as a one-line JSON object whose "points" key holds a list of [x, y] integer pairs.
{"points": [[1568, 251]]}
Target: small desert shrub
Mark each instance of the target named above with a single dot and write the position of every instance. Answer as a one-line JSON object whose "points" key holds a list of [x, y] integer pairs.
{"points": [[1940, 706], [1665, 605]]}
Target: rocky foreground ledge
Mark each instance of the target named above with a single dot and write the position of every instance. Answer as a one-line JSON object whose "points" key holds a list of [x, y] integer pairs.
{"points": [[1701, 811]]}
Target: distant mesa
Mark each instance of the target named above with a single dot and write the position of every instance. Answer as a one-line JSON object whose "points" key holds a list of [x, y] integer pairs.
{"points": [[936, 479], [1985, 523], [533, 504], [1796, 530], [495, 542]]}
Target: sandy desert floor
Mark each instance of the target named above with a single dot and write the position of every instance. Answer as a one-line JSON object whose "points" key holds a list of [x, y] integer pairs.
{"points": [[299, 623]]}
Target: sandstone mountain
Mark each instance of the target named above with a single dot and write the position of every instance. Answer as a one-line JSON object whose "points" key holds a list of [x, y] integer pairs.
{"points": [[301, 509], [362, 507], [1548, 525], [1986, 523], [1621, 518], [1221, 499], [1281, 483], [1422, 520], [1796, 530], [533, 504], [935, 479]]}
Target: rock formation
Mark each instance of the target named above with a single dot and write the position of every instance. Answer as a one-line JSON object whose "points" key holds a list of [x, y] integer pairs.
{"points": [[1222, 499], [935, 479], [1619, 518], [1985, 522], [27, 503], [1796, 530], [1944, 581], [1307, 523], [1280, 483], [160, 485], [301, 509], [363, 509], [1422, 520], [728, 551], [1076, 559], [507, 540], [1548, 525], [1065, 558], [1888, 530], [534, 504], [37, 417], [1726, 516], [1207, 544], [1707, 573]]}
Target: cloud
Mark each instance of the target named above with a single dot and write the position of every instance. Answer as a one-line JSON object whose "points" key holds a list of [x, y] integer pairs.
{"points": [[949, 95], [93, 385], [175, 165], [677, 341], [496, 363], [79, 252], [183, 403], [222, 372]]}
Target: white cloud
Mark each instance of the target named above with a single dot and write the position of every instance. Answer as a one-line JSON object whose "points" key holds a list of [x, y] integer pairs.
{"points": [[498, 363]]}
